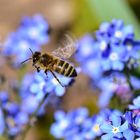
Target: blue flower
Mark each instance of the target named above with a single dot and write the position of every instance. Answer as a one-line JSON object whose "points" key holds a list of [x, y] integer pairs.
{"points": [[115, 32], [13, 118], [107, 113], [117, 45], [135, 82], [136, 104], [114, 48], [85, 48], [134, 122], [114, 84], [35, 86], [68, 125], [40, 84], [77, 125], [34, 29], [116, 128], [32, 33], [91, 127], [87, 55]]}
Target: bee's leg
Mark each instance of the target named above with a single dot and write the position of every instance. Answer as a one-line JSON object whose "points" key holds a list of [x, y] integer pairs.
{"points": [[46, 72], [37, 68], [57, 79]]}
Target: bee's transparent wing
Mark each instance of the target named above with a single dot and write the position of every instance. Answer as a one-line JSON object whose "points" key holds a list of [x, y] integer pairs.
{"points": [[69, 47]]}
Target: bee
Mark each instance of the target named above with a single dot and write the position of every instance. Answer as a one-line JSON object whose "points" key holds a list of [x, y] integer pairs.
{"points": [[56, 60]]}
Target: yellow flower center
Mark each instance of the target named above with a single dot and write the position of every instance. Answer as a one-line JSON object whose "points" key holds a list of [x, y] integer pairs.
{"points": [[115, 130], [118, 34], [96, 128]]}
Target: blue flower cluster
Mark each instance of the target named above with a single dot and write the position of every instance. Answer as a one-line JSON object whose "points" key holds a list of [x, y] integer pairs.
{"points": [[114, 84], [106, 125], [113, 48], [12, 117], [77, 125], [32, 33], [35, 86], [134, 124], [107, 58]]}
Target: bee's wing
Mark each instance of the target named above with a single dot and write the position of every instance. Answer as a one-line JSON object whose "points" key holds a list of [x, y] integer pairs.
{"points": [[68, 49]]}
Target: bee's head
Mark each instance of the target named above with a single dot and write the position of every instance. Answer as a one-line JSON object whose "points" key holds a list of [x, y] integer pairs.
{"points": [[36, 57]]}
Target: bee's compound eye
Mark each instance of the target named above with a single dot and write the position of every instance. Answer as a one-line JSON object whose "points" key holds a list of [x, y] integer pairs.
{"points": [[34, 60]]}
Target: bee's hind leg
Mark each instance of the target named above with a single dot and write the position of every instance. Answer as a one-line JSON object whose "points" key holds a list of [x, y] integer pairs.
{"points": [[57, 78], [46, 72], [37, 68]]}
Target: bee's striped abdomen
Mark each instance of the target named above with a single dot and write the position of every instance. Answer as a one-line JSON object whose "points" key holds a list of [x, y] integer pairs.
{"points": [[65, 69]]}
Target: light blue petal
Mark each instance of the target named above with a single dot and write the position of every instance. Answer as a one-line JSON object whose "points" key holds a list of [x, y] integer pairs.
{"points": [[107, 137], [118, 135], [106, 127], [117, 65], [59, 90], [124, 127], [104, 98], [34, 88], [129, 135], [56, 131], [116, 120], [132, 107], [59, 115]]}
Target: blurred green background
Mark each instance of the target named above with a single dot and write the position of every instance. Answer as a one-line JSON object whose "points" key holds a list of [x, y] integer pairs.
{"points": [[78, 17]]}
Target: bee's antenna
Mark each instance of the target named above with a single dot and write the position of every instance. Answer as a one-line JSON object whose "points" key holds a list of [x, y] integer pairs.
{"points": [[26, 60], [31, 51]]}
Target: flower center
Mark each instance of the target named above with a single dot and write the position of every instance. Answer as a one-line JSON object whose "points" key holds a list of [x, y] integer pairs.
{"points": [[115, 130], [103, 45], [118, 34], [79, 120], [129, 47], [113, 56], [96, 128]]}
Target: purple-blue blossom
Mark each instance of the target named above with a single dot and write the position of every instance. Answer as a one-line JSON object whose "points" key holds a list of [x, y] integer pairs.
{"points": [[114, 84], [115, 127], [136, 104], [114, 48], [134, 122], [77, 124], [32, 33], [68, 125], [13, 118], [36, 85]]}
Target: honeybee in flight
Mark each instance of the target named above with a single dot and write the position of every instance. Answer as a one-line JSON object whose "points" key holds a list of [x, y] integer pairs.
{"points": [[56, 60]]}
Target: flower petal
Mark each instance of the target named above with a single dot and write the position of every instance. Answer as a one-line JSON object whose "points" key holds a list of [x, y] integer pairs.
{"points": [[116, 120], [106, 127], [124, 126], [129, 135], [107, 137]]}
